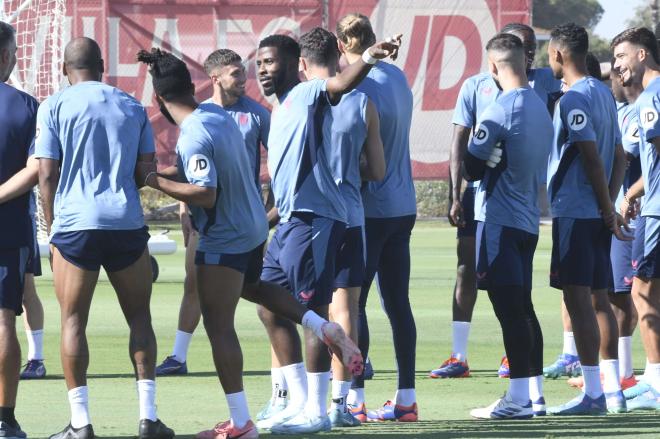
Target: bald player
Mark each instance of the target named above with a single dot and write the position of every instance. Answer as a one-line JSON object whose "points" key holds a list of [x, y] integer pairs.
{"points": [[89, 138]]}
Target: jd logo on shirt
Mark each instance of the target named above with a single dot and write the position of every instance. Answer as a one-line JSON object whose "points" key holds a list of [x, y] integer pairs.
{"points": [[577, 120], [481, 135], [649, 118], [198, 166]]}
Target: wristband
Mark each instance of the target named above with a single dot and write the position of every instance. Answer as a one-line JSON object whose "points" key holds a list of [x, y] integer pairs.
{"points": [[149, 175], [368, 58]]}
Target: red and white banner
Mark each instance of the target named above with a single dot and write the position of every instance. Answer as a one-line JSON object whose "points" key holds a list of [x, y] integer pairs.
{"points": [[443, 45]]}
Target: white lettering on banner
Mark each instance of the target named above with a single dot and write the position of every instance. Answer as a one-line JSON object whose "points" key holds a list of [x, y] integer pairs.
{"points": [[279, 24], [224, 27], [438, 47], [163, 26], [88, 27], [115, 67]]}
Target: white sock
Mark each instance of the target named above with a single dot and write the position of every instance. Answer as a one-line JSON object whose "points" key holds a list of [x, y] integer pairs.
{"points": [[460, 331], [181, 344], [79, 403], [317, 394], [647, 371], [238, 409], [147, 396], [519, 390], [405, 397], [611, 380], [278, 383], [355, 397], [339, 394], [569, 344], [313, 321], [654, 376], [625, 357], [35, 344], [296, 379], [536, 388], [592, 386]]}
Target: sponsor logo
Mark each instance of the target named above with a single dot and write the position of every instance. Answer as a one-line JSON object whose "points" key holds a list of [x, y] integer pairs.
{"points": [[306, 296], [649, 117], [482, 276], [577, 119], [634, 263], [481, 135], [199, 166], [627, 280]]}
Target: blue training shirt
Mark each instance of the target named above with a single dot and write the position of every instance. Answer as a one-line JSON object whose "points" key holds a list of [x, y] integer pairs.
{"points": [[648, 106], [210, 154], [96, 131], [629, 126], [253, 120], [17, 130], [518, 121], [298, 163], [394, 196], [344, 135], [586, 112], [481, 90]]}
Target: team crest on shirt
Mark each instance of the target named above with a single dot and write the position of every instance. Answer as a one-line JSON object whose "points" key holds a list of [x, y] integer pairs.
{"points": [[632, 134], [577, 119], [649, 117], [198, 166], [481, 135], [243, 119], [487, 90]]}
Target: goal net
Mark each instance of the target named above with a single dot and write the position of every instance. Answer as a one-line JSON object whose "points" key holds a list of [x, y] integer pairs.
{"points": [[39, 28]]}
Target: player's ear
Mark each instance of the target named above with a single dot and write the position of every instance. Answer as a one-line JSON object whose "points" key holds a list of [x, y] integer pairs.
{"points": [[340, 46], [192, 88], [101, 66], [302, 64]]}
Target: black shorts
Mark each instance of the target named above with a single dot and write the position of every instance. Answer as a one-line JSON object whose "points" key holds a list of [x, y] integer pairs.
{"points": [[470, 228], [249, 263], [12, 278]]}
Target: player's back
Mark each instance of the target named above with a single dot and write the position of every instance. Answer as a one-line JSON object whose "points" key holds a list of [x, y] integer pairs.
{"points": [[508, 193], [237, 223], [100, 131], [586, 112], [543, 82], [344, 135], [17, 130], [387, 87], [301, 176]]}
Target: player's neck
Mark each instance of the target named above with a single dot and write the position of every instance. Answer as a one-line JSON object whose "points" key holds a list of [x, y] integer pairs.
{"points": [[319, 72], [78, 76], [181, 109], [512, 80], [224, 99], [574, 73], [287, 87], [650, 74], [352, 57]]}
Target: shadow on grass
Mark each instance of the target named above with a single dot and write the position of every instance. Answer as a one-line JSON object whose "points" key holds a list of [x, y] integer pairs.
{"points": [[203, 374]]}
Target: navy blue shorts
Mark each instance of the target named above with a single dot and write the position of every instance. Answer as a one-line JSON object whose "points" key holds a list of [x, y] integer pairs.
{"points": [[115, 250], [580, 253], [646, 248], [301, 257], [12, 278], [504, 256], [621, 257], [248, 263], [470, 228], [351, 259], [34, 259]]}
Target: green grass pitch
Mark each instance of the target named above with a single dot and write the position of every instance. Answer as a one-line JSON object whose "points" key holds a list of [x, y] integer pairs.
{"points": [[195, 402]]}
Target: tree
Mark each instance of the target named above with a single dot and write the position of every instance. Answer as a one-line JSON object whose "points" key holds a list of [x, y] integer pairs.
{"points": [[643, 17], [549, 13]]}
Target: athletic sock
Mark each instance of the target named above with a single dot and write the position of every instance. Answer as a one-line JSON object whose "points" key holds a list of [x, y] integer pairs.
{"points": [[181, 344], [592, 385], [405, 397], [35, 341], [625, 357], [536, 388], [7, 416], [278, 383], [460, 331], [317, 394], [519, 390], [79, 403], [238, 409], [313, 321], [654, 376], [296, 379], [147, 397], [611, 380], [569, 344], [355, 397], [340, 391], [647, 371]]}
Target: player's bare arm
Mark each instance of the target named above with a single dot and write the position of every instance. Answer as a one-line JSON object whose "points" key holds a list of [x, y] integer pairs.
{"points": [[49, 175], [373, 167], [618, 171], [21, 182], [186, 192], [352, 75], [457, 150]]}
